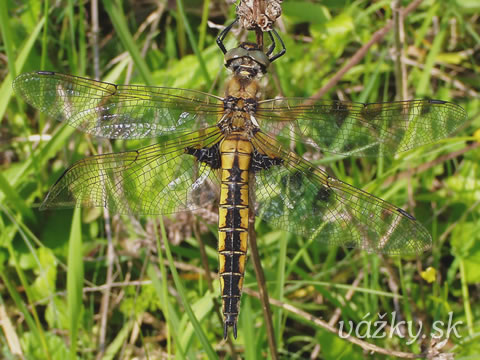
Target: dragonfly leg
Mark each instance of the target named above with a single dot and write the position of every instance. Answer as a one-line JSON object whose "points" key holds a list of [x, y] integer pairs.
{"points": [[272, 46], [222, 36], [281, 52]]}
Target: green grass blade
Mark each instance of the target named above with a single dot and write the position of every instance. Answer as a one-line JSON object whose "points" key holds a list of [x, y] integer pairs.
{"points": [[427, 22], [466, 299], [43, 61], [7, 36], [423, 87], [22, 308], [162, 291], [15, 199], [473, 33], [75, 280], [193, 42], [248, 329], [183, 296], [280, 285], [6, 88], [82, 43], [203, 25], [72, 50], [35, 323], [117, 344], [118, 21], [45, 153], [171, 317]]}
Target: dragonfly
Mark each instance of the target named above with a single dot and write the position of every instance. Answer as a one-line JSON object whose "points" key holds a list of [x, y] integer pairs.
{"points": [[239, 151]]}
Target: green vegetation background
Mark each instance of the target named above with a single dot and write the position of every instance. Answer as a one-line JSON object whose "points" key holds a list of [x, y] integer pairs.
{"points": [[43, 306]]}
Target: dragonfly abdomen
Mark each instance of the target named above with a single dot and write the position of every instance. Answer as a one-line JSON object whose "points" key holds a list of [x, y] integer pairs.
{"points": [[235, 152]]}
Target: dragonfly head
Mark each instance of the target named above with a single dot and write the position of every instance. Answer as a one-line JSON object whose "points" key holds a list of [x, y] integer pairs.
{"points": [[247, 61]]}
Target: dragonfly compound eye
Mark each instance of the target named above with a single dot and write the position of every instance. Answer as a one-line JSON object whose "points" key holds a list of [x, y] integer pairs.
{"points": [[246, 61], [233, 54], [259, 57]]}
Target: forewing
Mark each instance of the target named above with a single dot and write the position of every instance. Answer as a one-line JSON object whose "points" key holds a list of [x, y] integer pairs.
{"points": [[359, 129], [303, 199], [157, 179], [118, 111]]}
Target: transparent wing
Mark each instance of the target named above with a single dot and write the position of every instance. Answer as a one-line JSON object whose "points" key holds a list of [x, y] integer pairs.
{"points": [[157, 179], [359, 129], [118, 111], [303, 199]]}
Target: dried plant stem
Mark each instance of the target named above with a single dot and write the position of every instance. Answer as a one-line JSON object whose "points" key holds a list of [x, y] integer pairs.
{"points": [[94, 39], [104, 307], [262, 288], [259, 36], [398, 53], [324, 325]]}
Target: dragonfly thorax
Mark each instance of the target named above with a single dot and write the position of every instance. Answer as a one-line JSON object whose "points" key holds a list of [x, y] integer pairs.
{"points": [[240, 105], [232, 103], [239, 121]]}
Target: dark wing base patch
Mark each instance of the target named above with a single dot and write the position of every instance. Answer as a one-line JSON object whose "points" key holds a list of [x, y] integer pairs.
{"points": [[263, 162], [209, 156]]}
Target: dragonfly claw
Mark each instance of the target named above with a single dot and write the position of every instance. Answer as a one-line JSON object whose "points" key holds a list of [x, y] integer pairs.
{"points": [[226, 324]]}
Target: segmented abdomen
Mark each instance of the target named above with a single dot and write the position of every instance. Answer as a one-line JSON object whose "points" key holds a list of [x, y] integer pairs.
{"points": [[235, 152]]}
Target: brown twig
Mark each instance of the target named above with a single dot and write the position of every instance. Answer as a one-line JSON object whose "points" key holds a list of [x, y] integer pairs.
{"points": [[262, 288], [104, 307], [105, 302], [360, 54], [259, 37], [324, 325]]}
